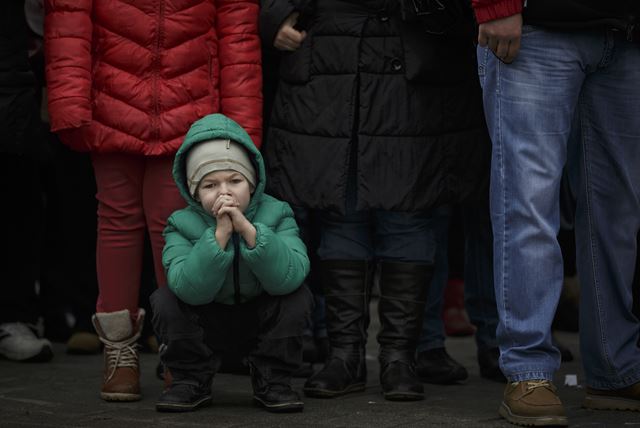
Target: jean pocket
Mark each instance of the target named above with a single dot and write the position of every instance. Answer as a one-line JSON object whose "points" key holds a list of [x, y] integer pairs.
{"points": [[483, 56], [528, 29]]}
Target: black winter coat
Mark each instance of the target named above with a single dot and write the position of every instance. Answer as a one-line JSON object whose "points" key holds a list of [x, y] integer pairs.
{"points": [[21, 129], [403, 104]]}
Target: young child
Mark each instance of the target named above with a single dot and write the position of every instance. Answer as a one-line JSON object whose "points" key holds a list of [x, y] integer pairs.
{"points": [[235, 265]]}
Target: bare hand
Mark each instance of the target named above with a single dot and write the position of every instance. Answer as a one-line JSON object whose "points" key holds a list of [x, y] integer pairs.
{"points": [[240, 224], [224, 225], [502, 36], [287, 37], [224, 200]]}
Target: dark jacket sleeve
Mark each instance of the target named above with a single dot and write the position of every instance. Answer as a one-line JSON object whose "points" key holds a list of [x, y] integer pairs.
{"points": [[272, 15], [279, 259], [195, 271]]}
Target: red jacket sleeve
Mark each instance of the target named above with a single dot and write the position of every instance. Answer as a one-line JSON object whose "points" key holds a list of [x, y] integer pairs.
{"points": [[68, 30], [489, 10], [240, 64]]}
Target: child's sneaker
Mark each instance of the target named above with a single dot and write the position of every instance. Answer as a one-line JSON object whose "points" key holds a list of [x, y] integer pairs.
{"points": [[183, 396], [19, 343], [278, 399]]}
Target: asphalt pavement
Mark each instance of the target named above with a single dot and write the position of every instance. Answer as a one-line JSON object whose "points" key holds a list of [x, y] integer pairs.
{"points": [[65, 393]]}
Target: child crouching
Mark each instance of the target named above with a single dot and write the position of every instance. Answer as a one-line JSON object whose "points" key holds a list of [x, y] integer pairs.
{"points": [[235, 265]]}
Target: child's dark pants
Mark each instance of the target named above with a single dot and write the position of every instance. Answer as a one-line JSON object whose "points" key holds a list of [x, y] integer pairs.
{"points": [[268, 329]]}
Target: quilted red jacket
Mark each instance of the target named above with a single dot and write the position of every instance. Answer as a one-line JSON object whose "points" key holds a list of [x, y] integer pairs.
{"points": [[132, 75], [488, 10]]}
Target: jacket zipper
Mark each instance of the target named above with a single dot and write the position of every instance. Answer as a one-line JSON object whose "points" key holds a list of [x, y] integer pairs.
{"points": [[236, 268], [156, 73]]}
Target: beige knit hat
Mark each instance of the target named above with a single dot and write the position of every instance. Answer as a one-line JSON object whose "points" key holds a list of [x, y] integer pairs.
{"points": [[217, 155]]}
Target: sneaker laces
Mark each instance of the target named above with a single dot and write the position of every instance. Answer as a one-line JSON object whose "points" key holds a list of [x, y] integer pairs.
{"points": [[122, 353]]}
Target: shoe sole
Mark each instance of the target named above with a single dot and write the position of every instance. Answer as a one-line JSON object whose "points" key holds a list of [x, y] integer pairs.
{"points": [[120, 396], [403, 396], [597, 402], [532, 421], [327, 393], [290, 407], [180, 407]]}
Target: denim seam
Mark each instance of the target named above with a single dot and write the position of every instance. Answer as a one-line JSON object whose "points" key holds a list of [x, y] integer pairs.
{"points": [[503, 187], [592, 244]]}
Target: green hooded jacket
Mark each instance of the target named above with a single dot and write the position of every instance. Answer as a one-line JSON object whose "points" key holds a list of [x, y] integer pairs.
{"points": [[198, 270]]}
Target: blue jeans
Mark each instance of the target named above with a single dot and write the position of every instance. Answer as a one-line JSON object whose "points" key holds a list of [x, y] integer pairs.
{"points": [[480, 300], [529, 106], [377, 235]]}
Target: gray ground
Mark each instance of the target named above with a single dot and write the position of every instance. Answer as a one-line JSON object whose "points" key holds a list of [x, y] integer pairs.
{"points": [[64, 393]]}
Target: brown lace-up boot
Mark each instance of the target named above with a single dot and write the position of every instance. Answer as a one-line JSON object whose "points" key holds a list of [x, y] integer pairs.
{"points": [[121, 367], [532, 403]]}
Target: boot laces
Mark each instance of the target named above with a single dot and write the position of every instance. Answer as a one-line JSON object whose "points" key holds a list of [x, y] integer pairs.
{"points": [[122, 353], [543, 383]]}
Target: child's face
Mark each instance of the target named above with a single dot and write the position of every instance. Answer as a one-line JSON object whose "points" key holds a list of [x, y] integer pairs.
{"points": [[224, 183]]}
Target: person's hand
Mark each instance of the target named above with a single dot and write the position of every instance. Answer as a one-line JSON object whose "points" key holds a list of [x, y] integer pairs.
{"points": [[224, 225], [240, 224], [287, 37], [502, 36]]}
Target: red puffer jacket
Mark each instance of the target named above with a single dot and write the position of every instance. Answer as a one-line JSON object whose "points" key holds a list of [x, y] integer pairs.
{"points": [[488, 10], [132, 76]]}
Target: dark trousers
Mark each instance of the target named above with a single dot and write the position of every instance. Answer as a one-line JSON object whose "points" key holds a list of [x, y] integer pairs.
{"points": [[268, 330], [21, 216]]}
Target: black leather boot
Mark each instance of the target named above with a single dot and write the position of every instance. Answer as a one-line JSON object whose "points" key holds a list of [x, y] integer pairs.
{"points": [[184, 396], [272, 390], [436, 366], [403, 291], [347, 294]]}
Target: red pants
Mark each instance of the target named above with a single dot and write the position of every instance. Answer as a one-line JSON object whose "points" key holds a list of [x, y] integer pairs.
{"points": [[134, 193]]}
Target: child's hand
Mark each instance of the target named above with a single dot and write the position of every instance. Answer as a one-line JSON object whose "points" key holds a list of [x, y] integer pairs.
{"points": [[240, 224], [224, 225], [287, 37]]}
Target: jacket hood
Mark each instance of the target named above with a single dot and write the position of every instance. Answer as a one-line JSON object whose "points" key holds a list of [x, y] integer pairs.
{"points": [[218, 126]]}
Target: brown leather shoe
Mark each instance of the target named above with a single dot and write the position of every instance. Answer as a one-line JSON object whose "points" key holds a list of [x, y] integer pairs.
{"points": [[616, 399], [121, 367], [532, 403]]}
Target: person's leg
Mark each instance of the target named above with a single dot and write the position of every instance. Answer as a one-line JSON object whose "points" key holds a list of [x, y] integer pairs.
{"points": [[405, 245], [480, 297], [278, 351], [432, 336], [121, 224], [608, 218], [433, 363], [316, 343], [529, 106], [18, 300], [160, 199], [184, 354], [345, 273], [118, 319]]}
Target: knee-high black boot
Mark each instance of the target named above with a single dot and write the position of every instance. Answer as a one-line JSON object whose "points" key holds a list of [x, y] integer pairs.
{"points": [[403, 292], [347, 293]]}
